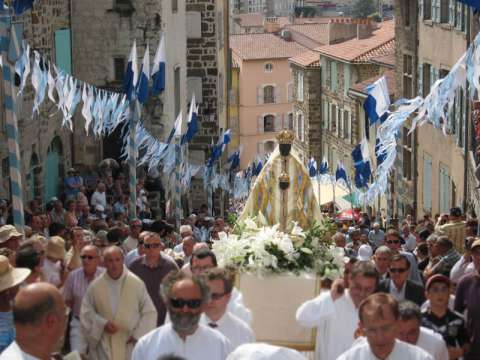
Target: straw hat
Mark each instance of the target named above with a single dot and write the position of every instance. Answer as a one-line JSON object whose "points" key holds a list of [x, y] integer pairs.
{"points": [[10, 276], [56, 248], [7, 232]]}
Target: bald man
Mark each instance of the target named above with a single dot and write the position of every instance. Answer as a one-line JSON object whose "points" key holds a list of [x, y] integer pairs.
{"points": [[40, 317], [116, 310]]}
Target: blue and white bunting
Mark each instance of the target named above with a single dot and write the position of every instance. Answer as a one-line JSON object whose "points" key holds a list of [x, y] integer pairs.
{"points": [[192, 125], [131, 74], [158, 69], [142, 91], [378, 100], [312, 168]]}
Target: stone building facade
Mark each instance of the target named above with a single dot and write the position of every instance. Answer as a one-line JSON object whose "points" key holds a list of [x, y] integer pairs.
{"points": [[45, 146], [307, 111]]}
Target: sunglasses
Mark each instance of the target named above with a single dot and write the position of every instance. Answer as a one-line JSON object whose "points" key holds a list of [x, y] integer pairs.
{"points": [[190, 303], [393, 241], [87, 257], [151, 246], [398, 270]]}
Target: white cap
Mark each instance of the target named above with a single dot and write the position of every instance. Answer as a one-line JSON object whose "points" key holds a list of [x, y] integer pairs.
{"points": [[260, 351], [365, 252]]}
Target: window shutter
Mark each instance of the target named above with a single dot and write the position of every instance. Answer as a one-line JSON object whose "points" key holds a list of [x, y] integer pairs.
{"points": [[452, 12], [340, 124], [260, 125], [325, 114], [278, 122], [420, 80], [420, 9], [346, 79], [350, 137], [302, 128], [260, 95], [323, 62], [290, 92], [336, 121], [427, 182], [432, 76], [277, 94], [334, 76], [260, 148]]}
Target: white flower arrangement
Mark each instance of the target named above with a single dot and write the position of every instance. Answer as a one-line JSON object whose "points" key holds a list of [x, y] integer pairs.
{"points": [[254, 248]]}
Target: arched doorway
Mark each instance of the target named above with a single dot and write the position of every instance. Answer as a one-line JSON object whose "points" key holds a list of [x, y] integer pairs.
{"points": [[52, 170], [32, 178]]}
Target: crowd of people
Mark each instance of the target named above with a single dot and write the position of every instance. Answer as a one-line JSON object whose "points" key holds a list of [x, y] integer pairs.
{"points": [[85, 279]]}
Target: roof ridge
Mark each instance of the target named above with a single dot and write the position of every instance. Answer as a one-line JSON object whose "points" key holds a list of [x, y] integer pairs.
{"points": [[374, 48]]}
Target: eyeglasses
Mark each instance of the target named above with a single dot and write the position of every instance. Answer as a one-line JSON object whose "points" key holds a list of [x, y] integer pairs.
{"points": [[392, 241], [152, 246], [398, 270], [218, 296], [87, 257], [190, 303]]}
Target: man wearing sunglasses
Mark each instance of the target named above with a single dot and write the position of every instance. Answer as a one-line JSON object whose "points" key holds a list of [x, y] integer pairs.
{"points": [[186, 297], [116, 310], [216, 313], [74, 290], [398, 285], [393, 241], [152, 269]]}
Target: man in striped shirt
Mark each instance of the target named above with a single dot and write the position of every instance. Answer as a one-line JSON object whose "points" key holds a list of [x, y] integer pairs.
{"points": [[75, 288]]}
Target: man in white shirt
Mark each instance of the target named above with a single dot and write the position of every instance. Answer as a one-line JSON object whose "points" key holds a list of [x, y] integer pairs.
{"points": [[216, 314], [185, 296], [378, 321], [204, 259], [335, 314], [99, 196], [40, 320], [185, 230], [410, 331]]}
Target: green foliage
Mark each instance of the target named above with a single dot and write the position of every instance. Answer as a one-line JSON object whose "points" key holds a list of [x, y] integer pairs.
{"points": [[363, 8], [232, 219]]}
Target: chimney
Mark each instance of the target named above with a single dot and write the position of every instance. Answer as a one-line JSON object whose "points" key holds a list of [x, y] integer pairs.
{"points": [[271, 25], [364, 29], [341, 29]]}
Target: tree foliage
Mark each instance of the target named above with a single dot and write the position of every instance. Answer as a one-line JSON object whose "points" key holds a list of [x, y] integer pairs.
{"points": [[363, 8]]}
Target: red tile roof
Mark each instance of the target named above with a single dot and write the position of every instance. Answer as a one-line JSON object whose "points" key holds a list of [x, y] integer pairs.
{"points": [[315, 32], [309, 59], [380, 43], [389, 76], [263, 46]]}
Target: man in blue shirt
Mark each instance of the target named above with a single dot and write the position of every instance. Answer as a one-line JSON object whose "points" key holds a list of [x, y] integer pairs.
{"points": [[73, 182]]}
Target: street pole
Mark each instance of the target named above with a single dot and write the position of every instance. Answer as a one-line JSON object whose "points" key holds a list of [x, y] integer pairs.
{"points": [[13, 136], [132, 156], [178, 190]]}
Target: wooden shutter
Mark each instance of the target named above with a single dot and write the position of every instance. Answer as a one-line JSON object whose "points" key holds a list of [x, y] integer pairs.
{"points": [[278, 123], [420, 80], [340, 123], [346, 79], [452, 12], [427, 182], [260, 125], [260, 95], [334, 76], [420, 9], [276, 93], [63, 51], [302, 128]]}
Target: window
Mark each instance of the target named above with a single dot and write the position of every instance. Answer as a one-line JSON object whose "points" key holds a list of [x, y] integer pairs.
{"points": [[407, 154], [177, 90], [325, 113], [269, 123], [444, 189], [268, 67], [444, 11], [289, 92], [174, 6], [268, 94], [269, 146], [427, 69], [333, 76], [407, 76], [346, 127], [290, 121], [460, 17], [300, 86], [427, 9], [118, 68], [333, 118], [406, 16]]}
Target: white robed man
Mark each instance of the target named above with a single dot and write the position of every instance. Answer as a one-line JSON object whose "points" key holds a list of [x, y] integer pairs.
{"points": [[116, 310], [217, 316], [186, 296], [378, 316], [335, 313]]}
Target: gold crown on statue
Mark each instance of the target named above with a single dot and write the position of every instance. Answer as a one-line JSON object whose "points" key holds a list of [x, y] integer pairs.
{"points": [[284, 177], [285, 137]]}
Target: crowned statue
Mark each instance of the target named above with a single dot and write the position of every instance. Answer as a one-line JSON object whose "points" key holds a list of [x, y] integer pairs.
{"points": [[283, 191]]}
